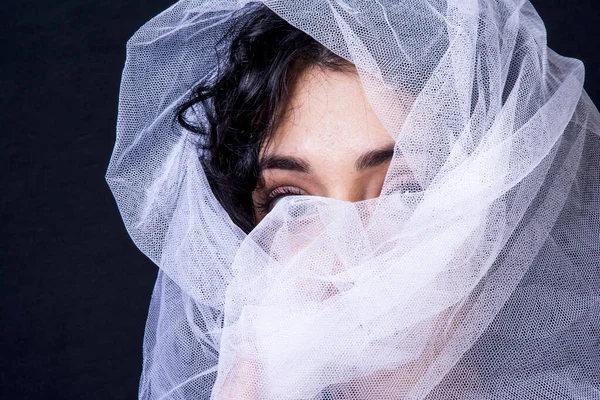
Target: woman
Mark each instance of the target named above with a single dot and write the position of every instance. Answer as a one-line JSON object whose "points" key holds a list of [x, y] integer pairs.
{"points": [[277, 86], [363, 200]]}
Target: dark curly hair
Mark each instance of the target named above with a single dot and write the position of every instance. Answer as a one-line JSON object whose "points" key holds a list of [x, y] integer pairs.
{"points": [[242, 104]]}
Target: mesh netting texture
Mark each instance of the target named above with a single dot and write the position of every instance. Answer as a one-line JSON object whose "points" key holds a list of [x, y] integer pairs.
{"points": [[484, 284]]}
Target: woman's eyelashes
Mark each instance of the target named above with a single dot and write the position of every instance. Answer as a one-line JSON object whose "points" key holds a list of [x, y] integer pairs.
{"points": [[404, 187], [266, 198], [268, 202]]}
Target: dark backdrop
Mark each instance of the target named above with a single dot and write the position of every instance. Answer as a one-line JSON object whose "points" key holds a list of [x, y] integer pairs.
{"points": [[74, 289]]}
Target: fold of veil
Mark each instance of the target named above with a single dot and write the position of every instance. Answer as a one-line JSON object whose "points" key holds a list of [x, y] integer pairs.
{"points": [[484, 285]]}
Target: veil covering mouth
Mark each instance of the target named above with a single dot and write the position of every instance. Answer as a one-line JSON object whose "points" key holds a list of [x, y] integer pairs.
{"points": [[485, 284]]}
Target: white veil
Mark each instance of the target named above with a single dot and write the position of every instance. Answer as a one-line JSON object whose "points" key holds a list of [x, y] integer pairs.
{"points": [[484, 285]]}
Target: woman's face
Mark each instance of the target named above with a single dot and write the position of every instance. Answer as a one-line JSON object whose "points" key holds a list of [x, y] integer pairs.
{"points": [[330, 143]]}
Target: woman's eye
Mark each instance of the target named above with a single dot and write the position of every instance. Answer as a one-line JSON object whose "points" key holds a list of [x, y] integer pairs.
{"points": [[405, 187], [277, 194]]}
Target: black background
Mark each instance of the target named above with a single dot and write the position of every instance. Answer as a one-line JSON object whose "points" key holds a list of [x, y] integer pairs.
{"points": [[75, 290]]}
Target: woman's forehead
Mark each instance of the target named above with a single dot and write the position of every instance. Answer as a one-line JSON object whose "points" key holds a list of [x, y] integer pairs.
{"points": [[327, 112]]}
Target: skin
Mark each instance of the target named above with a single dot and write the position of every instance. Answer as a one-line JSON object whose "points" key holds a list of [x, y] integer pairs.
{"points": [[329, 143]]}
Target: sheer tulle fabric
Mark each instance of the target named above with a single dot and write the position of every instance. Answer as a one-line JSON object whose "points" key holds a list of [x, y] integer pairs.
{"points": [[484, 285]]}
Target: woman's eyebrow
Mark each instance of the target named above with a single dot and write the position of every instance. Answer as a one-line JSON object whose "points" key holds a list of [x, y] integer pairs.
{"points": [[287, 163], [374, 158]]}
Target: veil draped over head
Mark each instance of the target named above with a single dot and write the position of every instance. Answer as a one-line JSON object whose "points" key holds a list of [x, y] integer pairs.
{"points": [[485, 284]]}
